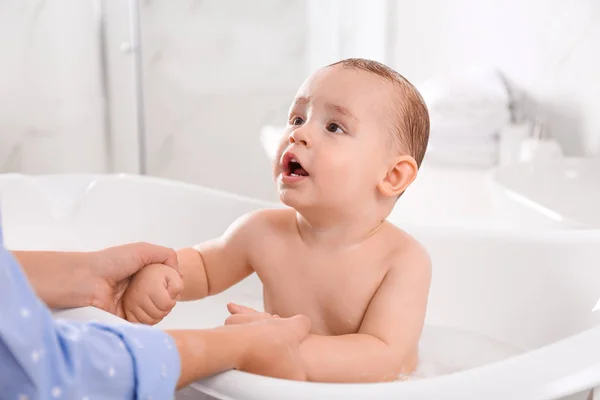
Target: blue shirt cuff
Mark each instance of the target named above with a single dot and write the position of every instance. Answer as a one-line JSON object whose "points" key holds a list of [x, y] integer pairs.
{"points": [[155, 357]]}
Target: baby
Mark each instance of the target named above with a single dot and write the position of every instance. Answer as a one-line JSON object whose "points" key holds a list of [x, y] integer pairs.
{"points": [[356, 135]]}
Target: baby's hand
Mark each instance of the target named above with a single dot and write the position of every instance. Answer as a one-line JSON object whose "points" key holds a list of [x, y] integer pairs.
{"points": [[152, 294]]}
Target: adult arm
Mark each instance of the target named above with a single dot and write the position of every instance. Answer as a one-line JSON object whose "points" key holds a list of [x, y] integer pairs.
{"points": [[269, 347], [60, 279], [45, 358], [98, 278]]}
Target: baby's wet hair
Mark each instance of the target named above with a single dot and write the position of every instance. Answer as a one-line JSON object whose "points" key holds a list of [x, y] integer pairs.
{"points": [[411, 130]]}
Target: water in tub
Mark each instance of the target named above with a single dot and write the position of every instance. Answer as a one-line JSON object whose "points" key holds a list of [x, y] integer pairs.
{"points": [[442, 350], [445, 350]]}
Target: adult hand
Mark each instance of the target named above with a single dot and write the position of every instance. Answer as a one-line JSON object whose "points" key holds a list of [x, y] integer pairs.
{"points": [[267, 347], [271, 356], [113, 267], [273, 347], [242, 315]]}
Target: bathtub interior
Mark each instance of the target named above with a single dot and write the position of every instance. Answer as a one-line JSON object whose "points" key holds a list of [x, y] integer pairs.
{"points": [[493, 294], [90, 212]]}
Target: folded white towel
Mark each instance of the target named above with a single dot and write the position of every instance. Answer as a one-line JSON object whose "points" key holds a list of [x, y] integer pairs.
{"points": [[468, 117], [478, 87], [468, 109]]}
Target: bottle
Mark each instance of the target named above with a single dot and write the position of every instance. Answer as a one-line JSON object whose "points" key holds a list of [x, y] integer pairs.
{"points": [[539, 146], [512, 136]]}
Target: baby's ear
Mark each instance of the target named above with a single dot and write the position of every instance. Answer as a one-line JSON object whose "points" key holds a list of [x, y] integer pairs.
{"points": [[401, 172]]}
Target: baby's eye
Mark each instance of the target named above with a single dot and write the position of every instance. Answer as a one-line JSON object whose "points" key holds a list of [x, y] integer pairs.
{"points": [[335, 128], [297, 121]]}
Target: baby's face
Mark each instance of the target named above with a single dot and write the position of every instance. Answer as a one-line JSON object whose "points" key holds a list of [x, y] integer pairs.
{"points": [[336, 146]]}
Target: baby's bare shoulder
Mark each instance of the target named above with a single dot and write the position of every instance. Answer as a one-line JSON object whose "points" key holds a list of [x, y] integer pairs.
{"points": [[405, 251], [265, 221]]}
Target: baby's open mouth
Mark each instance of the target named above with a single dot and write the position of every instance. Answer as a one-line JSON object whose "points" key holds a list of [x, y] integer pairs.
{"points": [[294, 168]]}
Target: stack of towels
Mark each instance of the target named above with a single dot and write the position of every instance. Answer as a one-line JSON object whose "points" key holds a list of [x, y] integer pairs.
{"points": [[468, 110]]}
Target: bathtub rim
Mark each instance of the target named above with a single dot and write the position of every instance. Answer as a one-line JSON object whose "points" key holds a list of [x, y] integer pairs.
{"points": [[579, 342], [500, 378], [516, 233], [497, 380]]}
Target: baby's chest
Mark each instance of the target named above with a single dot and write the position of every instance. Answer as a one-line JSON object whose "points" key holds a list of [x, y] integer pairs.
{"points": [[333, 293]]}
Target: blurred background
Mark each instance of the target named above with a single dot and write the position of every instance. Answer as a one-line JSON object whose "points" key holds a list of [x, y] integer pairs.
{"points": [[184, 89]]}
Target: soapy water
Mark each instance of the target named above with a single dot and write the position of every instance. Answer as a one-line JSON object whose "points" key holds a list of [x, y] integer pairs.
{"points": [[445, 350], [442, 350]]}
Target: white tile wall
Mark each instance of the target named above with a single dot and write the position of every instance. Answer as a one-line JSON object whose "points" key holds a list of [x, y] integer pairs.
{"points": [[50, 104], [215, 73]]}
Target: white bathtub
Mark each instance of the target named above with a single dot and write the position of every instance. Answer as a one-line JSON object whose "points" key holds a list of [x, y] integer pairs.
{"points": [[532, 293]]}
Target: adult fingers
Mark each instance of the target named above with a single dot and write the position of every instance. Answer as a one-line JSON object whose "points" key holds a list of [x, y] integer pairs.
{"points": [[234, 308], [237, 319], [155, 254]]}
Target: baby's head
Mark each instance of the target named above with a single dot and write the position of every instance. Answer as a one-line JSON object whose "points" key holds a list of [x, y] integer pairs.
{"points": [[356, 135]]}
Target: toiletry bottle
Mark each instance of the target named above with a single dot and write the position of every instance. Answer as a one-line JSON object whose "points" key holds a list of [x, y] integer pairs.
{"points": [[539, 146], [512, 136]]}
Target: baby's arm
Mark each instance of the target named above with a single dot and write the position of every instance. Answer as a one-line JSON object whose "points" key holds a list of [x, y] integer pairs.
{"points": [[213, 266], [386, 342]]}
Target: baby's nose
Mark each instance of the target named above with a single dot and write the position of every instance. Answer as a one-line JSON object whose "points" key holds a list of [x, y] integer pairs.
{"points": [[299, 136]]}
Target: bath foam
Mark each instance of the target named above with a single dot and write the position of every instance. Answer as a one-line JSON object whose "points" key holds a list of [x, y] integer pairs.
{"points": [[446, 350], [442, 350]]}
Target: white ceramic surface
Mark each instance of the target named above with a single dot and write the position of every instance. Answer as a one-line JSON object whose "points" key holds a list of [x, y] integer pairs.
{"points": [[561, 193], [532, 291]]}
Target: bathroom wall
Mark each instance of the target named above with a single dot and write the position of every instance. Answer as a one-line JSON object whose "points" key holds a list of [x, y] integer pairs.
{"points": [[549, 48], [215, 72], [51, 104]]}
